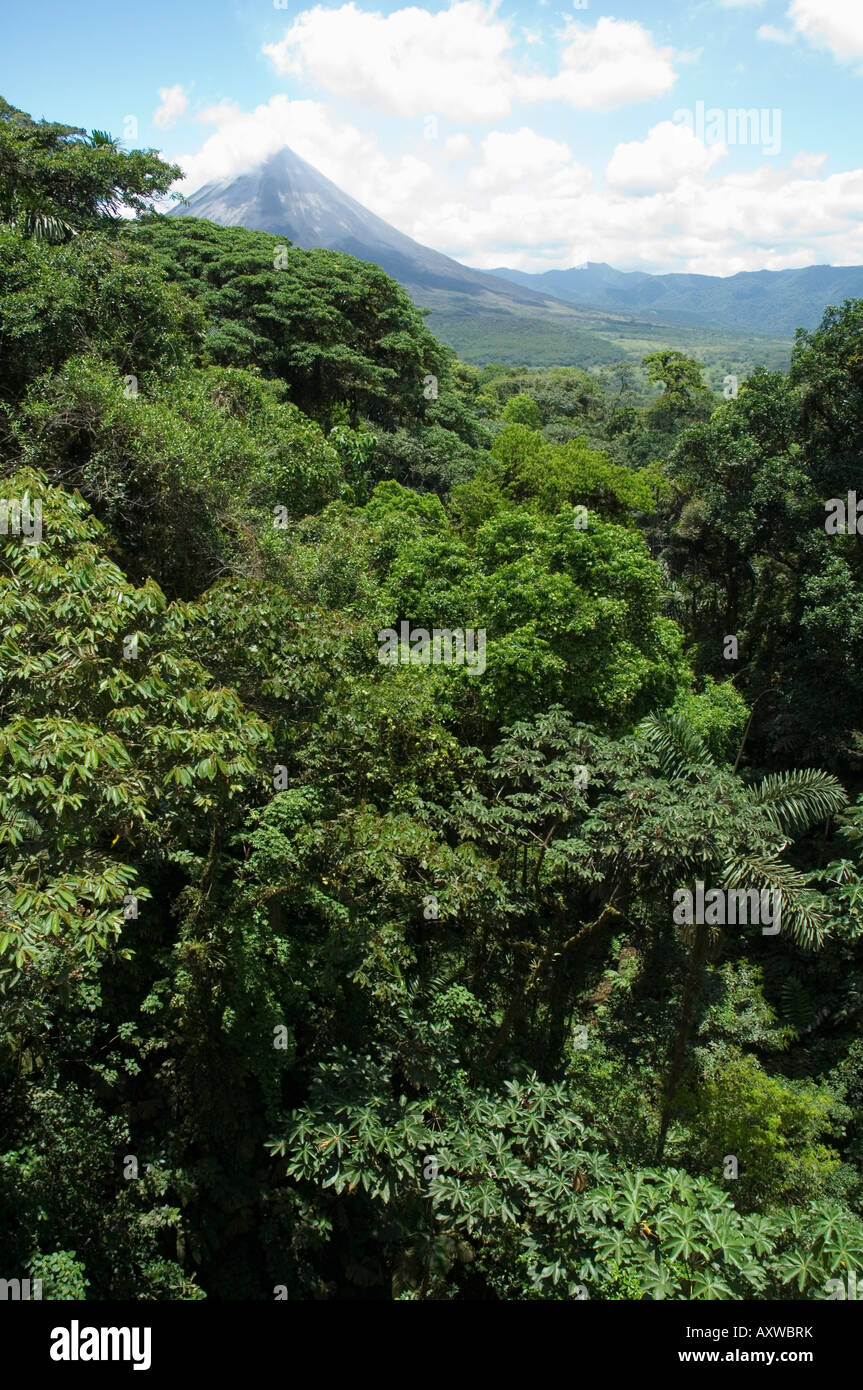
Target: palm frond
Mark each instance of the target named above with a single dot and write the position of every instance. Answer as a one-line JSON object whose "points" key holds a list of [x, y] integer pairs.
{"points": [[45, 226], [36, 217], [797, 1008], [795, 801], [99, 138], [681, 752], [802, 912]]}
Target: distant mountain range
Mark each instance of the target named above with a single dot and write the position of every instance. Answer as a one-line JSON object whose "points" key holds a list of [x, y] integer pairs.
{"points": [[585, 316], [753, 301]]}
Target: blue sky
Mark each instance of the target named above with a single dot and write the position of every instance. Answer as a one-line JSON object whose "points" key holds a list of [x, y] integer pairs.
{"points": [[533, 135]]}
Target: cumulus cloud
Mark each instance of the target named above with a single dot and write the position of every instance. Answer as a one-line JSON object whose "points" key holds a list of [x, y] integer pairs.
{"points": [[173, 105], [833, 24], [670, 153], [614, 64], [407, 62], [459, 62], [511, 161], [342, 152], [766, 219], [457, 146]]}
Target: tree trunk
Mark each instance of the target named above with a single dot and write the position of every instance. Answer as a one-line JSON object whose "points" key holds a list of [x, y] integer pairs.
{"points": [[519, 999], [684, 1029]]}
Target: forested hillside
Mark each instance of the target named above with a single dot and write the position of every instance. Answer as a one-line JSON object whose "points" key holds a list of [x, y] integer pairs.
{"points": [[332, 968]]}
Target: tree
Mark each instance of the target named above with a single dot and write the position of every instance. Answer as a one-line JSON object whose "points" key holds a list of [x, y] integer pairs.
{"points": [[55, 180], [85, 297], [522, 410], [337, 330], [192, 470], [685, 399]]}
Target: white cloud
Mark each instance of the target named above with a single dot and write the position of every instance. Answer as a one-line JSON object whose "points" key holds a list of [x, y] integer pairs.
{"points": [[348, 156], [833, 24], [407, 62], [670, 153], [613, 64], [173, 106], [457, 146], [243, 139], [221, 111], [770, 34], [513, 161], [767, 219], [459, 61], [808, 164]]}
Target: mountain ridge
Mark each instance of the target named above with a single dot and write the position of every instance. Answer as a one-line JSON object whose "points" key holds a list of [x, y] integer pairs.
{"points": [[777, 301]]}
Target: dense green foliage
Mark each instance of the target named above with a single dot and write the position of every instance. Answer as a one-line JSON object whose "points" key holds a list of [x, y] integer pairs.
{"points": [[325, 977]]}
